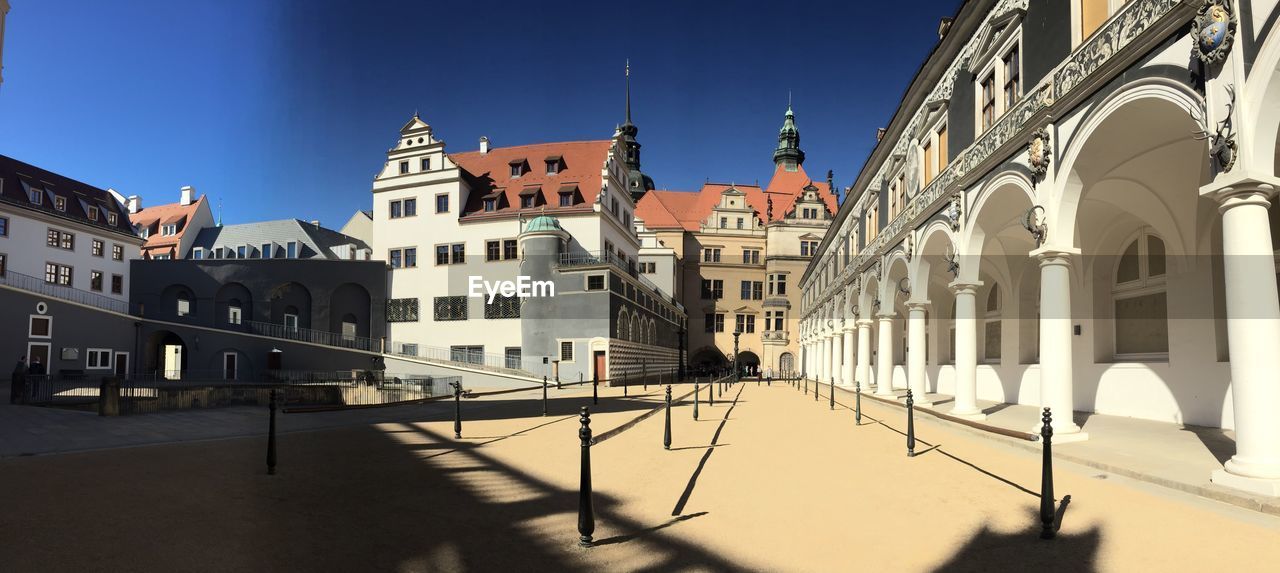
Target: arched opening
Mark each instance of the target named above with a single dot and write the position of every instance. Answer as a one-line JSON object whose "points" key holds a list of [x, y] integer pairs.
{"points": [[1140, 301], [748, 363], [178, 302], [624, 325], [786, 364], [708, 360], [350, 312], [992, 329], [165, 355], [233, 306], [291, 307]]}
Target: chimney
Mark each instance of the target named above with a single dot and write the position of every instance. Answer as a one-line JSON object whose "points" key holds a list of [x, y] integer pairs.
{"points": [[484, 145], [879, 133], [944, 26], [134, 203], [188, 192], [315, 223]]}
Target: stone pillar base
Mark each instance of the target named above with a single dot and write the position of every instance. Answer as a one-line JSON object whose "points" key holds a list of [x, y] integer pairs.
{"points": [[971, 416], [1260, 486], [916, 400], [1063, 437]]}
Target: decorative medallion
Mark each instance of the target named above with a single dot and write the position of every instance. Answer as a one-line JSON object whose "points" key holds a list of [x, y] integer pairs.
{"points": [[904, 286], [909, 247], [1222, 144], [953, 263], [1213, 30], [1039, 152], [954, 212], [1035, 225]]}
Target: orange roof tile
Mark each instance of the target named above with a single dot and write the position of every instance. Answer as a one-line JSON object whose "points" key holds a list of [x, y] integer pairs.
{"points": [[153, 217], [687, 210], [581, 163]]}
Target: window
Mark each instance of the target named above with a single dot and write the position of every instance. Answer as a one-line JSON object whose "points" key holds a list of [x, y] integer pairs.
{"points": [[773, 320], [566, 199], [402, 310], [566, 351], [502, 307], [404, 167], [184, 304], [409, 349], [57, 274], [60, 239], [233, 313], [595, 282], [93, 213], [467, 354], [267, 251], [144, 232], [1012, 77], [553, 166], [40, 327], [1141, 300], [396, 209], [648, 268], [197, 253], [710, 255], [169, 230], [714, 322], [442, 254], [942, 146], [510, 249], [291, 323], [4, 263], [872, 224], [1092, 14], [526, 201], [746, 323], [98, 359], [988, 101], [442, 203], [60, 203], [111, 219], [450, 308], [712, 289], [926, 151], [751, 256], [4, 226], [517, 168], [96, 248], [492, 250], [458, 252], [777, 285], [410, 207], [117, 253], [511, 357], [95, 281], [739, 222], [991, 327], [242, 252], [291, 250], [490, 205], [426, 164], [724, 222], [37, 196], [406, 258], [752, 290], [117, 284], [808, 248]]}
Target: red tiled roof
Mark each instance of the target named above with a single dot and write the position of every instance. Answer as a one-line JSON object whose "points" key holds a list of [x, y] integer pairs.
{"points": [[153, 217], [687, 210], [490, 173]]}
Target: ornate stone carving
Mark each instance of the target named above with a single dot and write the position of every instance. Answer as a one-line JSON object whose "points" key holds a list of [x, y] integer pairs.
{"points": [[904, 287], [1133, 19], [954, 211], [953, 263], [1213, 31], [1222, 142], [1039, 154], [1035, 225]]}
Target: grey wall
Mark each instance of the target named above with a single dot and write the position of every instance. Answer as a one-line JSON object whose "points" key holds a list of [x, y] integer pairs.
{"points": [[74, 326], [1046, 40]]}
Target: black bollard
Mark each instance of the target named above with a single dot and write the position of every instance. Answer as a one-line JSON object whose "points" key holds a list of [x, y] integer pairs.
{"points": [[696, 390], [911, 426], [666, 435], [857, 403], [557, 379], [544, 395], [833, 393], [711, 393], [1046, 478], [586, 518], [625, 391], [595, 391], [457, 410], [770, 382], [817, 385], [271, 436]]}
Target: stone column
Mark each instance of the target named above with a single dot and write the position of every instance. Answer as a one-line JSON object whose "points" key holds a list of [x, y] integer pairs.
{"points": [[1055, 341], [864, 354], [846, 374], [828, 357], [884, 362], [916, 359], [1253, 335], [966, 350], [837, 356]]}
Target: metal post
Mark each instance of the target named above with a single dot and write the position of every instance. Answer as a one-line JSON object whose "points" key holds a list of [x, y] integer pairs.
{"points": [[696, 390], [595, 389], [457, 410], [911, 426], [711, 392], [833, 393], [558, 380], [586, 518], [666, 435], [806, 386], [544, 395], [644, 373], [857, 402], [1046, 478], [625, 391], [271, 436]]}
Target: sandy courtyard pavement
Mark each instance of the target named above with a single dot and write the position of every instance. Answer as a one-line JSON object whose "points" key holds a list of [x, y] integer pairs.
{"points": [[788, 486]]}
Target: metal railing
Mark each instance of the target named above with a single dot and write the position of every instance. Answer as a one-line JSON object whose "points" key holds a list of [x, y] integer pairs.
{"points": [[39, 286], [588, 259], [313, 336]]}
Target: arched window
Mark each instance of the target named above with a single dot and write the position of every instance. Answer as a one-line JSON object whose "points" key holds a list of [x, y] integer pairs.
{"points": [[185, 305], [991, 326], [624, 329], [1140, 298], [234, 313], [952, 345]]}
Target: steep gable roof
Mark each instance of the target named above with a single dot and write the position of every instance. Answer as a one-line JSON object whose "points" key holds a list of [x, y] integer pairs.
{"points": [[489, 175], [19, 180], [152, 217]]}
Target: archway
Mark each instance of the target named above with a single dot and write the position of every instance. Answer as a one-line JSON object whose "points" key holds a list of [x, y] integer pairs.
{"points": [[708, 360], [165, 355], [233, 306], [749, 363], [786, 364], [291, 306], [350, 311]]}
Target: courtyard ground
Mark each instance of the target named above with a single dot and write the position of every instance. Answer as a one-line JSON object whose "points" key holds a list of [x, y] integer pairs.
{"points": [[767, 479]]}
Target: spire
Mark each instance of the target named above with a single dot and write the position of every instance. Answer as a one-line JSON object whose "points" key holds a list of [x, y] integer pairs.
{"points": [[788, 153], [628, 73], [631, 148]]}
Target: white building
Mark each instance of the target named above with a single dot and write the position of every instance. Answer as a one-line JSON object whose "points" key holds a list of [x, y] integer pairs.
{"points": [[1064, 213]]}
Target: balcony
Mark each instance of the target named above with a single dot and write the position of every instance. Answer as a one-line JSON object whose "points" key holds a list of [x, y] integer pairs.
{"points": [[71, 294], [588, 259], [774, 336]]}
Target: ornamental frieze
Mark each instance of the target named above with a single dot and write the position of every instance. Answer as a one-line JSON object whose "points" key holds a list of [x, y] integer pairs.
{"points": [[1133, 19]]}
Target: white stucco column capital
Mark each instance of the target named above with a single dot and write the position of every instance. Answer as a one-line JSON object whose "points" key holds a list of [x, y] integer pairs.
{"points": [[1234, 189], [918, 305], [964, 287], [1050, 255], [865, 323]]}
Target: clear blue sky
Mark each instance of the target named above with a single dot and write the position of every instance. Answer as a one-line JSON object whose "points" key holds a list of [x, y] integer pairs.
{"points": [[285, 108]]}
